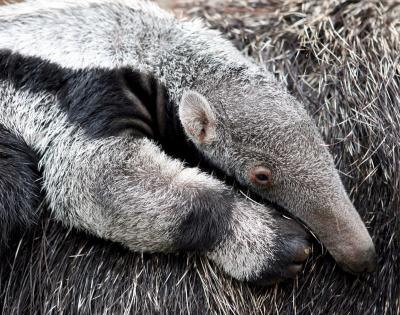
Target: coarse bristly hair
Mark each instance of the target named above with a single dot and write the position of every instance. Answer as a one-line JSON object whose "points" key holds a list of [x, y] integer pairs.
{"points": [[341, 59]]}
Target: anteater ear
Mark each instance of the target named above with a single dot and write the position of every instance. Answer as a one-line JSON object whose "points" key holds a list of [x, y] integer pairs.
{"points": [[197, 118]]}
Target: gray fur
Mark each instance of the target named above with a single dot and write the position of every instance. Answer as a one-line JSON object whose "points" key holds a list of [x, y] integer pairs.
{"points": [[127, 190]]}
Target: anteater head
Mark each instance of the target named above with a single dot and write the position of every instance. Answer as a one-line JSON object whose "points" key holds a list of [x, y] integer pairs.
{"points": [[259, 134]]}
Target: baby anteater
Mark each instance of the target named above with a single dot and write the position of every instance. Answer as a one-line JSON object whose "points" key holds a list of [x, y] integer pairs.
{"points": [[107, 93]]}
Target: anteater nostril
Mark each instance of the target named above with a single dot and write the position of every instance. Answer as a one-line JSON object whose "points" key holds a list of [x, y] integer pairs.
{"points": [[365, 261]]}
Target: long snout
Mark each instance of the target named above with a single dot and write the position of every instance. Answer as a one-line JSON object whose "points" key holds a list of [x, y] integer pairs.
{"points": [[344, 234]]}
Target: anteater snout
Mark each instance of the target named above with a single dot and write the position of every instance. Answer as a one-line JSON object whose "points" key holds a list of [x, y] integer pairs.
{"points": [[342, 231], [360, 260], [354, 250]]}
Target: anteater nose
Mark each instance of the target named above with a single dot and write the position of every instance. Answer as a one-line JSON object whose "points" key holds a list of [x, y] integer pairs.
{"points": [[362, 261]]}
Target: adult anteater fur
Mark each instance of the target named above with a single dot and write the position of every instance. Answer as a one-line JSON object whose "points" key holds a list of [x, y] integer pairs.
{"points": [[46, 271]]}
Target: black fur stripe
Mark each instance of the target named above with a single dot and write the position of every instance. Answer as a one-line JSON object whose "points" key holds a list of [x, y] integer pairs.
{"points": [[207, 222], [104, 102], [19, 186]]}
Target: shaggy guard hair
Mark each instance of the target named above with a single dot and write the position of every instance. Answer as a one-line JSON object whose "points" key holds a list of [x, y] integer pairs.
{"points": [[341, 61]]}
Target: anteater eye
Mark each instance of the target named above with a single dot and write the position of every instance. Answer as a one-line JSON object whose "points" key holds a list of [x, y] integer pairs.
{"points": [[261, 176]]}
